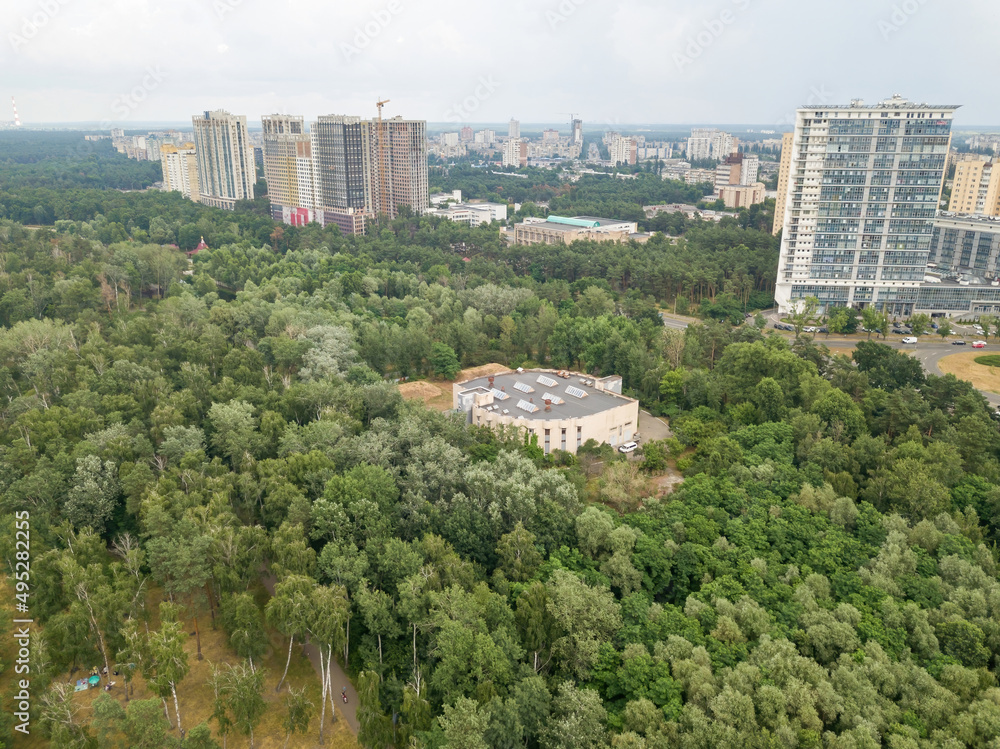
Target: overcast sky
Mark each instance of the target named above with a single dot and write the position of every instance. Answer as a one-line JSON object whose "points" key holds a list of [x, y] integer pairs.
{"points": [[626, 61]]}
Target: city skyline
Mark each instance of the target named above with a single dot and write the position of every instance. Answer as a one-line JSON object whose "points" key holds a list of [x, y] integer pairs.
{"points": [[81, 62]]}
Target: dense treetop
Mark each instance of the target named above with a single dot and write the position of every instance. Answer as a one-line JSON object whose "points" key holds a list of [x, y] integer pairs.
{"points": [[825, 575]]}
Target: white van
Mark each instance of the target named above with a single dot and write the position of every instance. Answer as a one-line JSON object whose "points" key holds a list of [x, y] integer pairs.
{"points": [[628, 447]]}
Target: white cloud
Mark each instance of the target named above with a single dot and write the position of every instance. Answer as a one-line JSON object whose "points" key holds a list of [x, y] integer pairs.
{"points": [[611, 60]]}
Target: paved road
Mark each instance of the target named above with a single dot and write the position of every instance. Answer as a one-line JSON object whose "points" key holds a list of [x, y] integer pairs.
{"points": [[676, 322], [929, 350], [929, 354]]}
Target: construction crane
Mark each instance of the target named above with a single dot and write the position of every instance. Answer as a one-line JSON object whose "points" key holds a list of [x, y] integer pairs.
{"points": [[381, 161], [572, 119], [17, 120]]}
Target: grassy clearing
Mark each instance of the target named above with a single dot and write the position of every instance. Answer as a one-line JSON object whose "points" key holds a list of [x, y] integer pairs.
{"points": [[966, 366], [990, 360], [193, 694]]}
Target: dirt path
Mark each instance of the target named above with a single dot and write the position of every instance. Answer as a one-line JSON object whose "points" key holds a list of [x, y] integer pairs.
{"points": [[337, 676]]}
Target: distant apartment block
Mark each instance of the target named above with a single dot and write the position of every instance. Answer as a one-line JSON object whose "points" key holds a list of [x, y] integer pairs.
{"points": [[363, 168], [966, 245], [577, 132], [486, 137], [623, 150], [784, 167], [180, 170], [226, 169], [465, 134], [562, 230], [515, 153], [737, 169], [653, 151], [513, 128], [399, 158], [288, 169], [736, 181], [742, 196], [989, 141], [341, 155], [709, 143], [976, 188], [699, 176]]}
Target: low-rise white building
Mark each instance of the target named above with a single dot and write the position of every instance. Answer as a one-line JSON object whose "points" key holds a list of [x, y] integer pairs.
{"points": [[473, 214], [562, 409]]}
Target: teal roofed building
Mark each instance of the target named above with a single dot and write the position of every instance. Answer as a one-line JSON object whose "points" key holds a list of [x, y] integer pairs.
{"points": [[565, 230]]}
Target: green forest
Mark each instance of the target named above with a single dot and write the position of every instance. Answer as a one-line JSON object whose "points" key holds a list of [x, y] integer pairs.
{"points": [[825, 575], [64, 160]]}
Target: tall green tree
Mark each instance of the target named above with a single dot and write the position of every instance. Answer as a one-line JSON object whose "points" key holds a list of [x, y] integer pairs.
{"points": [[290, 611]]}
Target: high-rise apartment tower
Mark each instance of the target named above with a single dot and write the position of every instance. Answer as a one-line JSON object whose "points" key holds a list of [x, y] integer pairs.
{"points": [[226, 169], [863, 187]]}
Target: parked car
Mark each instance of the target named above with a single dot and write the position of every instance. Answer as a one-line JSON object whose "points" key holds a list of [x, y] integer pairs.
{"points": [[979, 344], [909, 339], [897, 331], [958, 343], [628, 447], [935, 325], [823, 330]]}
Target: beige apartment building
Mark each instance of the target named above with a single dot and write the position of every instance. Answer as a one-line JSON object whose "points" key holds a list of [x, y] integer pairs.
{"points": [[562, 409], [784, 168], [742, 196], [180, 170], [399, 175], [227, 172], [737, 169], [976, 187], [288, 169]]}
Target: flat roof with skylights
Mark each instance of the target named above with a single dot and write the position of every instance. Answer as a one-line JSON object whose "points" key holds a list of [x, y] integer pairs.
{"points": [[571, 398]]}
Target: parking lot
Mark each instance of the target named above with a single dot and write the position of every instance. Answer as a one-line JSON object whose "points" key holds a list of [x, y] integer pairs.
{"points": [[651, 428]]}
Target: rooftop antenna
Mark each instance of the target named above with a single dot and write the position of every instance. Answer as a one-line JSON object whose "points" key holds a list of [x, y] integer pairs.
{"points": [[17, 120]]}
